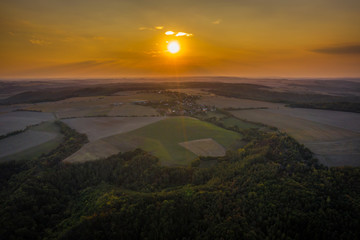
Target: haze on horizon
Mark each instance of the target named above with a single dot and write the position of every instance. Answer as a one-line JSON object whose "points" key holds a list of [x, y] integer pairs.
{"points": [[249, 38]]}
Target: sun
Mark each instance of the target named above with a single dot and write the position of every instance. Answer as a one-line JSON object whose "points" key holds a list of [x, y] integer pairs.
{"points": [[173, 47]]}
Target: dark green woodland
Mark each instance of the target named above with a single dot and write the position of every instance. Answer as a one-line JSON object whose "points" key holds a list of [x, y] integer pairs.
{"points": [[272, 188]]}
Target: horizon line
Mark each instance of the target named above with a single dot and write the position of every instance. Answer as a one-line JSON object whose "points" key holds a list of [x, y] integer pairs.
{"points": [[175, 77]]}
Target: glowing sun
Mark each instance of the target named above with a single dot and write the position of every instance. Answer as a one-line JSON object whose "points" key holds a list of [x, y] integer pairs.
{"points": [[173, 47]]}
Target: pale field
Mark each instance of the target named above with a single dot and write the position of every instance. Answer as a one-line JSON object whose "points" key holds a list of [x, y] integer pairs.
{"points": [[6, 109], [129, 109], [101, 106], [346, 150], [12, 108], [335, 141], [226, 102], [346, 120], [14, 121], [204, 147], [102, 148], [32, 143], [81, 112], [125, 93], [192, 91], [100, 127], [92, 151], [23, 141]]}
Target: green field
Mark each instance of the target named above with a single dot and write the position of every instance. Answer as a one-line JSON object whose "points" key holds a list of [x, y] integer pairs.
{"points": [[36, 151], [162, 138]]}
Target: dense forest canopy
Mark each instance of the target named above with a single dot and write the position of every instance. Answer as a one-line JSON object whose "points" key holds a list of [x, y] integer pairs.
{"points": [[272, 188], [337, 106]]}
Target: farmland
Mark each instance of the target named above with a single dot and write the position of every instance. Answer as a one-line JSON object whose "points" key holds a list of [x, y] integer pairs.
{"points": [[101, 117], [192, 91], [31, 143], [165, 145], [115, 105], [132, 110], [174, 131], [204, 147], [227, 120], [345, 120], [319, 132], [15, 121], [99, 127], [227, 102], [209, 167]]}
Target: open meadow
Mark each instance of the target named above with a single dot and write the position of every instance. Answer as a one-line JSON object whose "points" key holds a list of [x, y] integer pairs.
{"points": [[163, 139]]}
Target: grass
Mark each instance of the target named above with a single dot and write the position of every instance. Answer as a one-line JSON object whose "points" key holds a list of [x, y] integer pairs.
{"points": [[162, 138]]}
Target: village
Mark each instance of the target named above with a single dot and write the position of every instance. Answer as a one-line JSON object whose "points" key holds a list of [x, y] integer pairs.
{"points": [[178, 104]]}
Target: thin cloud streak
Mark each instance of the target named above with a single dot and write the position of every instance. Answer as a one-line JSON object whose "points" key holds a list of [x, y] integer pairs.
{"points": [[218, 21], [351, 49], [39, 42], [178, 34], [151, 28]]}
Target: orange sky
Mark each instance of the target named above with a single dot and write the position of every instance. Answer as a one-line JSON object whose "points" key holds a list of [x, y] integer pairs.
{"points": [[112, 38]]}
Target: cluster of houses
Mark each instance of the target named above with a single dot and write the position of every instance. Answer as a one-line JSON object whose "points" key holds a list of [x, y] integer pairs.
{"points": [[180, 104]]}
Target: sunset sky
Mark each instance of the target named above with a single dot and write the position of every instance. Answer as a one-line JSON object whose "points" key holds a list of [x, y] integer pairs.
{"points": [[119, 38]]}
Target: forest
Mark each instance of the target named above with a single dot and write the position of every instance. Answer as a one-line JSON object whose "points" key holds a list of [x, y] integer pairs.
{"points": [[336, 106], [272, 188]]}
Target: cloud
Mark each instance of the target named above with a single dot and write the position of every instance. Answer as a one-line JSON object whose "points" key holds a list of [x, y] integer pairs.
{"points": [[145, 28], [178, 34], [169, 33], [151, 28], [350, 49], [217, 21], [39, 42]]}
